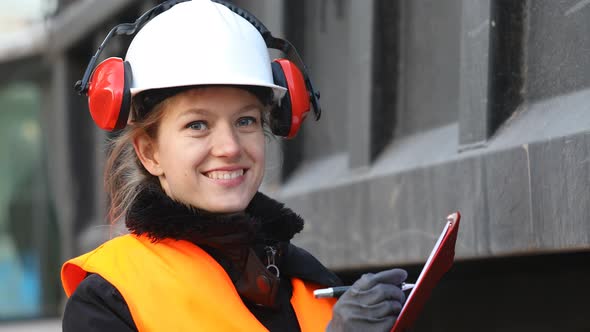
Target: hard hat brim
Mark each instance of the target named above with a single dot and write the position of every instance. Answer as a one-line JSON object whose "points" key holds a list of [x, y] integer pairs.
{"points": [[278, 91]]}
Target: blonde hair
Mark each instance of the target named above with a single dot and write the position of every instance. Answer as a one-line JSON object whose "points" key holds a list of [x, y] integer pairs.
{"points": [[124, 176]]}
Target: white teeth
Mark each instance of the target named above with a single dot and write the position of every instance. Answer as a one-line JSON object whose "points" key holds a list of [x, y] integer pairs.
{"points": [[225, 175]]}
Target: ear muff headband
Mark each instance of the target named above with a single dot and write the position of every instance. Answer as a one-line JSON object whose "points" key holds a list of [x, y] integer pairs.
{"points": [[108, 85]]}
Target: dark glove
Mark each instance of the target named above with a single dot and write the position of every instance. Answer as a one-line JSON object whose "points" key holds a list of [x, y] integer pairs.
{"points": [[371, 304]]}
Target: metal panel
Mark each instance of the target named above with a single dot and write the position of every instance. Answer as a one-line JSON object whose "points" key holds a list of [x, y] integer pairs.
{"points": [[430, 67], [558, 48], [360, 67], [475, 66]]}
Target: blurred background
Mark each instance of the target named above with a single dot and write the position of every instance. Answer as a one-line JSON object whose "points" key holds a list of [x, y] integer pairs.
{"points": [[481, 106]]}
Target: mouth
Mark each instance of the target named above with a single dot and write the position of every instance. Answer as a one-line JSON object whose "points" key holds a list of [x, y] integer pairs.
{"points": [[225, 175]]}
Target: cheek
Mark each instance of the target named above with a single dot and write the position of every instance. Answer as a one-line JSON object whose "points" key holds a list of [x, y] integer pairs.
{"points": [[260, 162], [182, 156], [257, 150]]}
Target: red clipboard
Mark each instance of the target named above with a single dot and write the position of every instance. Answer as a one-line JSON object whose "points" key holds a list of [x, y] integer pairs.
{"points": [[440, 261]]}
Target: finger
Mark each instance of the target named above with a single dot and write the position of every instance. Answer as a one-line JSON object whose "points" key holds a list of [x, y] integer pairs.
{"points": [[380, 293], [383, 309], [396, 307], [369, 280]]}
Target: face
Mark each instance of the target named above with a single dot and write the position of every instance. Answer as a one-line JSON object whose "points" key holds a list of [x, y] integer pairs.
{"points": [[209, 149]]}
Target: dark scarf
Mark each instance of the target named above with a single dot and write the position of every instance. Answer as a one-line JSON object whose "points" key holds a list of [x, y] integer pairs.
{"points": [[237, 241]]}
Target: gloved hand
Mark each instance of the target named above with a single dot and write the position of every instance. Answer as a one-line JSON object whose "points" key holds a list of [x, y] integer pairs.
{"points": [[371, 304]]}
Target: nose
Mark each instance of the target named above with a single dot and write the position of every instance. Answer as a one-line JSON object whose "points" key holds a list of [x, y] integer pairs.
{"points": [[225, 142]]}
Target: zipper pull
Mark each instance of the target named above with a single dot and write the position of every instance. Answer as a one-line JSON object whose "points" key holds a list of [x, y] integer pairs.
{"points": [[271, 252]]}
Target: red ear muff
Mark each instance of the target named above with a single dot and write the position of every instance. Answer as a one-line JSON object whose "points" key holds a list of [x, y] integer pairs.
{"points": [[109, 98], [286, 118]]}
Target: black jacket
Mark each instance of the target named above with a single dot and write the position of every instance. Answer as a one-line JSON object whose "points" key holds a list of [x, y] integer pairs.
{"points": [[97, 305]]}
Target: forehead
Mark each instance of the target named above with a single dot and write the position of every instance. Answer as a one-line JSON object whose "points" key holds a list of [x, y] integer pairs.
{"points": [[213, 99]]}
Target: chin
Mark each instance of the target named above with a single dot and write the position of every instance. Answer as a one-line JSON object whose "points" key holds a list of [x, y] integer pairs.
{"points": [[228, 205]]}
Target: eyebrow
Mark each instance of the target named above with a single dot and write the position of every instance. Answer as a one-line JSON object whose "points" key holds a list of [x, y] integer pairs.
{"points": [[190, 111], [250, 107]]}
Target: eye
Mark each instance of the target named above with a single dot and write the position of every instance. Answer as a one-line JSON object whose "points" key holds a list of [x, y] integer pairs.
{"points": [[246, 121], [197, 125]]}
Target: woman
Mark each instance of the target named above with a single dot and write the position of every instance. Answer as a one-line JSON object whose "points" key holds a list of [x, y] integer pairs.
{"points": [[206, 250]]}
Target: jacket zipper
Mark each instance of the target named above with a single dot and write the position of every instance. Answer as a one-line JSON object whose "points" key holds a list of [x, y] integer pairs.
{"points": [[271, 253]]}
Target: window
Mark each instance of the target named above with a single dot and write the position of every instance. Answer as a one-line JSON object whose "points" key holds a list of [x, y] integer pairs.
{"points": [[28, 234]]}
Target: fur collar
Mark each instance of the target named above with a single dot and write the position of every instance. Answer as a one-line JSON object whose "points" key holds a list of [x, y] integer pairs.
{"points": [[265, 221]]}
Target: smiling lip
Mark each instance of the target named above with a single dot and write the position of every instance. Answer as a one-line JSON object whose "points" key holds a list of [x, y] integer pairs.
{"points": [[226, 169], [229, 176]]}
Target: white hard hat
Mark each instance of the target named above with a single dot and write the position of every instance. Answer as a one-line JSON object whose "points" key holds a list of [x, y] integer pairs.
{"points": [[199, 42]]}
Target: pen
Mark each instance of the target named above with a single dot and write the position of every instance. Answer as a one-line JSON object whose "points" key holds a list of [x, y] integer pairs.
{"points": [[338, 291]]}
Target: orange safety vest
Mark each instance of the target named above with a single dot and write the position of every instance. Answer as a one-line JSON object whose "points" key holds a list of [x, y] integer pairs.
{"points": [[176, 286]]}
